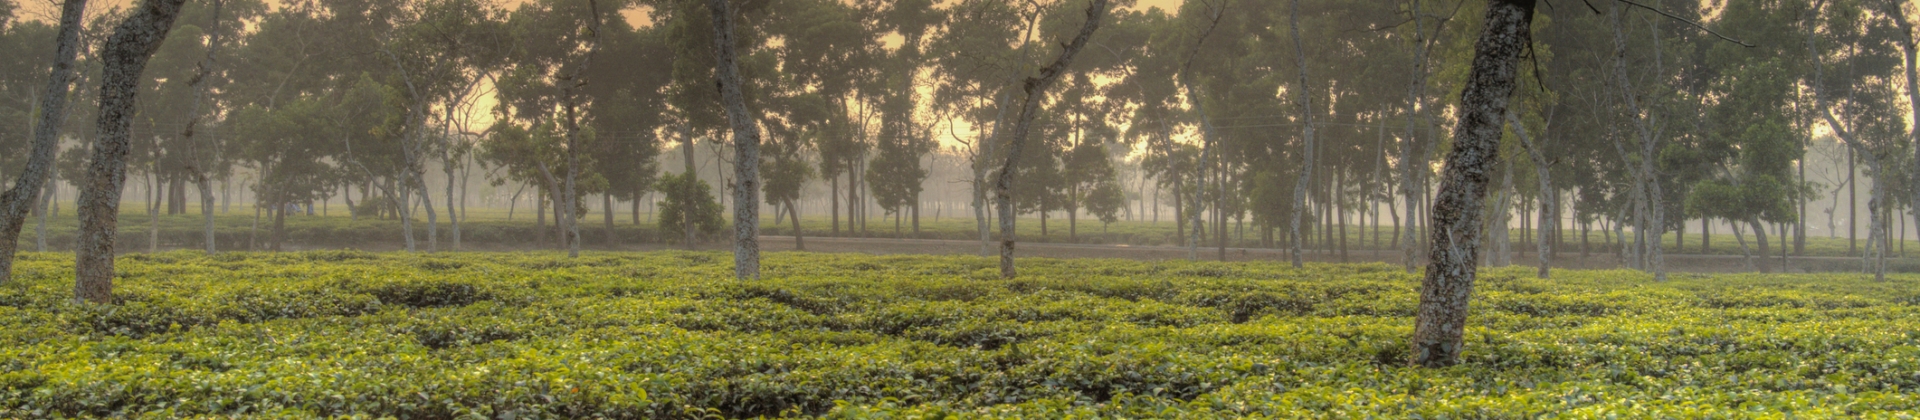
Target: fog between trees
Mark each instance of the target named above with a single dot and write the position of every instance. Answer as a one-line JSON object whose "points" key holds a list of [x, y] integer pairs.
{"points": [[1240, 123]]}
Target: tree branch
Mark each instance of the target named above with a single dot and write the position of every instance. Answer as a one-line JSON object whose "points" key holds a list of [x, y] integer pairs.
{"points": [[1682, 20]]}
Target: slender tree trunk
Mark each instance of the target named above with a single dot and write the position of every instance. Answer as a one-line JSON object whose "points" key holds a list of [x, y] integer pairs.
{"points": [[1035, 88], [1502, 218], [47, 208], [279, 233], [1179, 211], [453, 212], [16, 201], [746, 142], [1444, 294], [202, 161], [1340, 210], [1643, 123], [433, 220], [1897, 13], [686, 219], [154, 201], [124, 56], [606, 207], [1302, 182], [1195, 211], [1547, 203], [1746, 254], [833, 183], [799, 235], [1412, 183]]}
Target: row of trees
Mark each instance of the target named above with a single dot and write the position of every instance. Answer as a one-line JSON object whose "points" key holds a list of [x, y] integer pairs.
{"points": [[1667, 112]]}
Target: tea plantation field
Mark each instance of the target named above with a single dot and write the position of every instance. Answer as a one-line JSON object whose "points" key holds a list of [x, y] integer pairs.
{"points": [[671, 335]]}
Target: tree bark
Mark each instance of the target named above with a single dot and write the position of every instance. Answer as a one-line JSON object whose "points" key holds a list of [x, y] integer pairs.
{"points": [[1035, 88], [124, 57], [16, 201], [746, 143], [1448, 285]]}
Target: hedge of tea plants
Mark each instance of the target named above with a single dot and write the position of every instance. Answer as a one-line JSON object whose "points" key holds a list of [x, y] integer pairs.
{"points": [[672, 335]]}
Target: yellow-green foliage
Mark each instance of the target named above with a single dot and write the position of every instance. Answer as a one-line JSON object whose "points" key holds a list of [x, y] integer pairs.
{"points": [[672, 335]]}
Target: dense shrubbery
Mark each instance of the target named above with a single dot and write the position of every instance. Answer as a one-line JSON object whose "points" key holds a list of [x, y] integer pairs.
{"points": [[672, 335]]}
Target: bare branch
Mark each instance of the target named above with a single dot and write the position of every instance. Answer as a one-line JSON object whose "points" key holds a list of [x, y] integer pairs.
{"points": [[1683, 20]]}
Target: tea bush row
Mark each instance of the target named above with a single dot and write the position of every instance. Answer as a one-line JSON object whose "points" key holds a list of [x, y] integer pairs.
{"points": [[672, 335]]}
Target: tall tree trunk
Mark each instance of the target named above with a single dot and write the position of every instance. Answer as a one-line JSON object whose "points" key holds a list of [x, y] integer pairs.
{"points": [[279, 233], [1502, 217], [433, 220], [799, 235], [1340, 211], [453, 212], [1746, 254], [982, 158], [16, 201], [154, 201], [203, 162], [746, 143], [1643, 121], [606, 207], [833, 195], [1412, 182], [1547, 203], [47, 208], [1872, 262], [686, 218], [540, 214], [1897, 13], [1200, 185], [1455, 224], [124, 57], [1035, 88]]}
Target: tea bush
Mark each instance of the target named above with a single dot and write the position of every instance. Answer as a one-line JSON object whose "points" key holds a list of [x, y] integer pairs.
{"points": [[672, 335]]}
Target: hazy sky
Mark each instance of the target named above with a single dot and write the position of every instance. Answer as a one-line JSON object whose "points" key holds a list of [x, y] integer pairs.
{"points": [[47, 10]]}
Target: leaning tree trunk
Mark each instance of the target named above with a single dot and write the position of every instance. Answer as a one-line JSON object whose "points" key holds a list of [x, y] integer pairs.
{"points": [[1035, 87], [1302, 182], [17, 201], [1455, 223], [746, 146], [124, 56]]}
